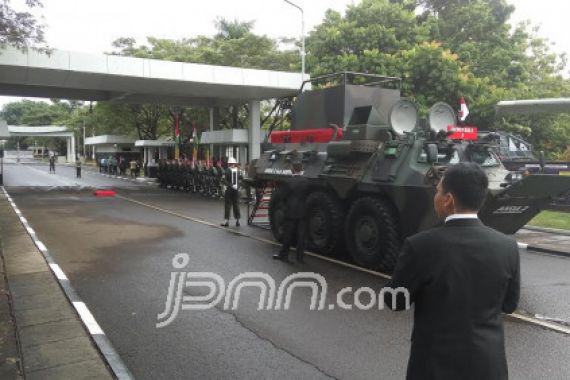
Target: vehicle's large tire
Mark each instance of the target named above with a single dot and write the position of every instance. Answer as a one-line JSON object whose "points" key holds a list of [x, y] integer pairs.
{"points": [[277, 212], [325, 222], [372, 236]]}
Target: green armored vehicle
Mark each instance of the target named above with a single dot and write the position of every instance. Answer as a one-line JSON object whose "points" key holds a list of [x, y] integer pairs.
{"points": [[373, 167]]}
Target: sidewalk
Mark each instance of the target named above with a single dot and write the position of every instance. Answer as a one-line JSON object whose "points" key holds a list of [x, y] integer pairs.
{"points": [[543, 240], [52, 340]]}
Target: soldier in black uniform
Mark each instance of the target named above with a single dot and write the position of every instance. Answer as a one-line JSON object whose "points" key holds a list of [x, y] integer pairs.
{"points": [[232, 176], [160, 174], [295, 225], [78, 168], [52, 164]]}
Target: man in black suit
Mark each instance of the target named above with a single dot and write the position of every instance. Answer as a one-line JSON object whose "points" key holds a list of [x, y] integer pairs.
{"points": [[461, 277], [295, 224]]}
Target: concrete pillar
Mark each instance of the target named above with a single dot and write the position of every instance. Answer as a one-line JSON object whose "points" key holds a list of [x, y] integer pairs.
{"points": [[254, 130], [242, 156], [68, 149], [72, 148]]}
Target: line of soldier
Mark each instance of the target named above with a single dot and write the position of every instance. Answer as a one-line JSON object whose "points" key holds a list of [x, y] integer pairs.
{"points": [[191, 176]]}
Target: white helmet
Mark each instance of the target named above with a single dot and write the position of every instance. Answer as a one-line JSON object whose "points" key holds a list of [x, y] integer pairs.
{"points": [[232, 160]]}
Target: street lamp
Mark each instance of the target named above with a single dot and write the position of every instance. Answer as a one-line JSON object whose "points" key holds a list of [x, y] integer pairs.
{"points": [[302, 36]]}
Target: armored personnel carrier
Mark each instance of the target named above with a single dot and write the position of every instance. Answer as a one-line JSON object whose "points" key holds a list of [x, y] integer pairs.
{"points": [[373, 180]]}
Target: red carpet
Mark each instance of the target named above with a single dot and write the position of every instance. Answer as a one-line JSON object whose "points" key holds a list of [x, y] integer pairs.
{"points": [[104, 193]]}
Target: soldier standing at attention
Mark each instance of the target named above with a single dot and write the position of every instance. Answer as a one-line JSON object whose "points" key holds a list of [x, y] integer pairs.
{"points": [[232, 176], [52, 164], [78, 168], [295, 224], [133, 167]]}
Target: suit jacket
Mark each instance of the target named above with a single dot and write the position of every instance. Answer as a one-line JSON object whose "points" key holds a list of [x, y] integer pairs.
{"points": [[461, 277], [297, 190]]}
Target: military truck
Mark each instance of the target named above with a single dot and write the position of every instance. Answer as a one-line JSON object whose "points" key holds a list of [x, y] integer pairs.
{"points": [[372, 183]]}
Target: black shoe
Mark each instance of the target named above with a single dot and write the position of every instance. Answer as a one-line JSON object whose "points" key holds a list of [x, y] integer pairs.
{"points": [[237, 223], [280, 256], [225, 224]]}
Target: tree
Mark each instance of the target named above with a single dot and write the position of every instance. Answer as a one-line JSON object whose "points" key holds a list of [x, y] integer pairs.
{"points": [[20, 29], [234, 45], [28, 112], [231, 30], [373, 28], [147, 119], [444, 49]]}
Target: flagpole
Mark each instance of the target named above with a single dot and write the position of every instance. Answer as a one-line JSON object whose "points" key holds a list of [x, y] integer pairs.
{"points": [[177, 138], [195, 142]]}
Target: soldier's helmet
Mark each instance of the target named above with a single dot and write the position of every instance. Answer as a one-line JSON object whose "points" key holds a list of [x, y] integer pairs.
{"points": [[232, 160]]}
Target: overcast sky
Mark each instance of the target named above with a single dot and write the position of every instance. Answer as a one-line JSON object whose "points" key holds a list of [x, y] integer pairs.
{"points": [[91, 25]]}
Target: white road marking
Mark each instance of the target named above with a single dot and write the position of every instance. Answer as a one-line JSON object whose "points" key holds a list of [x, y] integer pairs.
{"points": [[58, 272], [104, 345], [41, 246], [87, 318], [530, 320]]}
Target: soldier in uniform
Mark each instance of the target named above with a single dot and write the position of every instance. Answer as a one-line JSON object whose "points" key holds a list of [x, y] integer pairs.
{"points": [[295, 224], [232, 176], [133, 167], [176, 175], [160, 173], [52, 164], [78, 168]]}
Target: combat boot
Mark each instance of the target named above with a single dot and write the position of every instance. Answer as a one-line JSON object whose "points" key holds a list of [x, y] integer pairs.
{"points": [[283, 254]]}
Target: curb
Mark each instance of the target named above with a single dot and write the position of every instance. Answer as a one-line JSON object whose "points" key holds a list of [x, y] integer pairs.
{"points": [[543, 249], [550, 251], [139, 180], [538, 248], [101, 341], [547, 230]]}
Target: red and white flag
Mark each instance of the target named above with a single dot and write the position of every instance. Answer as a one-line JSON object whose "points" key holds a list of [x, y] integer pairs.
{"points": [[463, 111]]}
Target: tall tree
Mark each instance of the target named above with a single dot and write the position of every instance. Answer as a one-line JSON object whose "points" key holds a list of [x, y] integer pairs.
{"points": [[443, 49], [28, 112], [234, 44], [20, 28]]}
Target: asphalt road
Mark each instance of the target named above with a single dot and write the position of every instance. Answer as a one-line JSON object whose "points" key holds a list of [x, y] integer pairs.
{"points": [[118, 256]]}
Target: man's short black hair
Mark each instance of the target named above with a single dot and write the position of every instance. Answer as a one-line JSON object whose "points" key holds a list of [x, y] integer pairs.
{"points": [[468, 183]]}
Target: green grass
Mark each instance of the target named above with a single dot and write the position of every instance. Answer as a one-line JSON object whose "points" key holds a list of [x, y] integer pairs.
{"points": [[552, 219]]}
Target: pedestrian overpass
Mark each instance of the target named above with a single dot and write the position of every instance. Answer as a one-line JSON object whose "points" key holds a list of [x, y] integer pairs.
{"points": [[81, 76]]}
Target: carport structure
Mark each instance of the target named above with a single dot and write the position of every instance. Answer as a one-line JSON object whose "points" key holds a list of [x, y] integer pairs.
{"points": [[73, 75], [47, 131]]}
